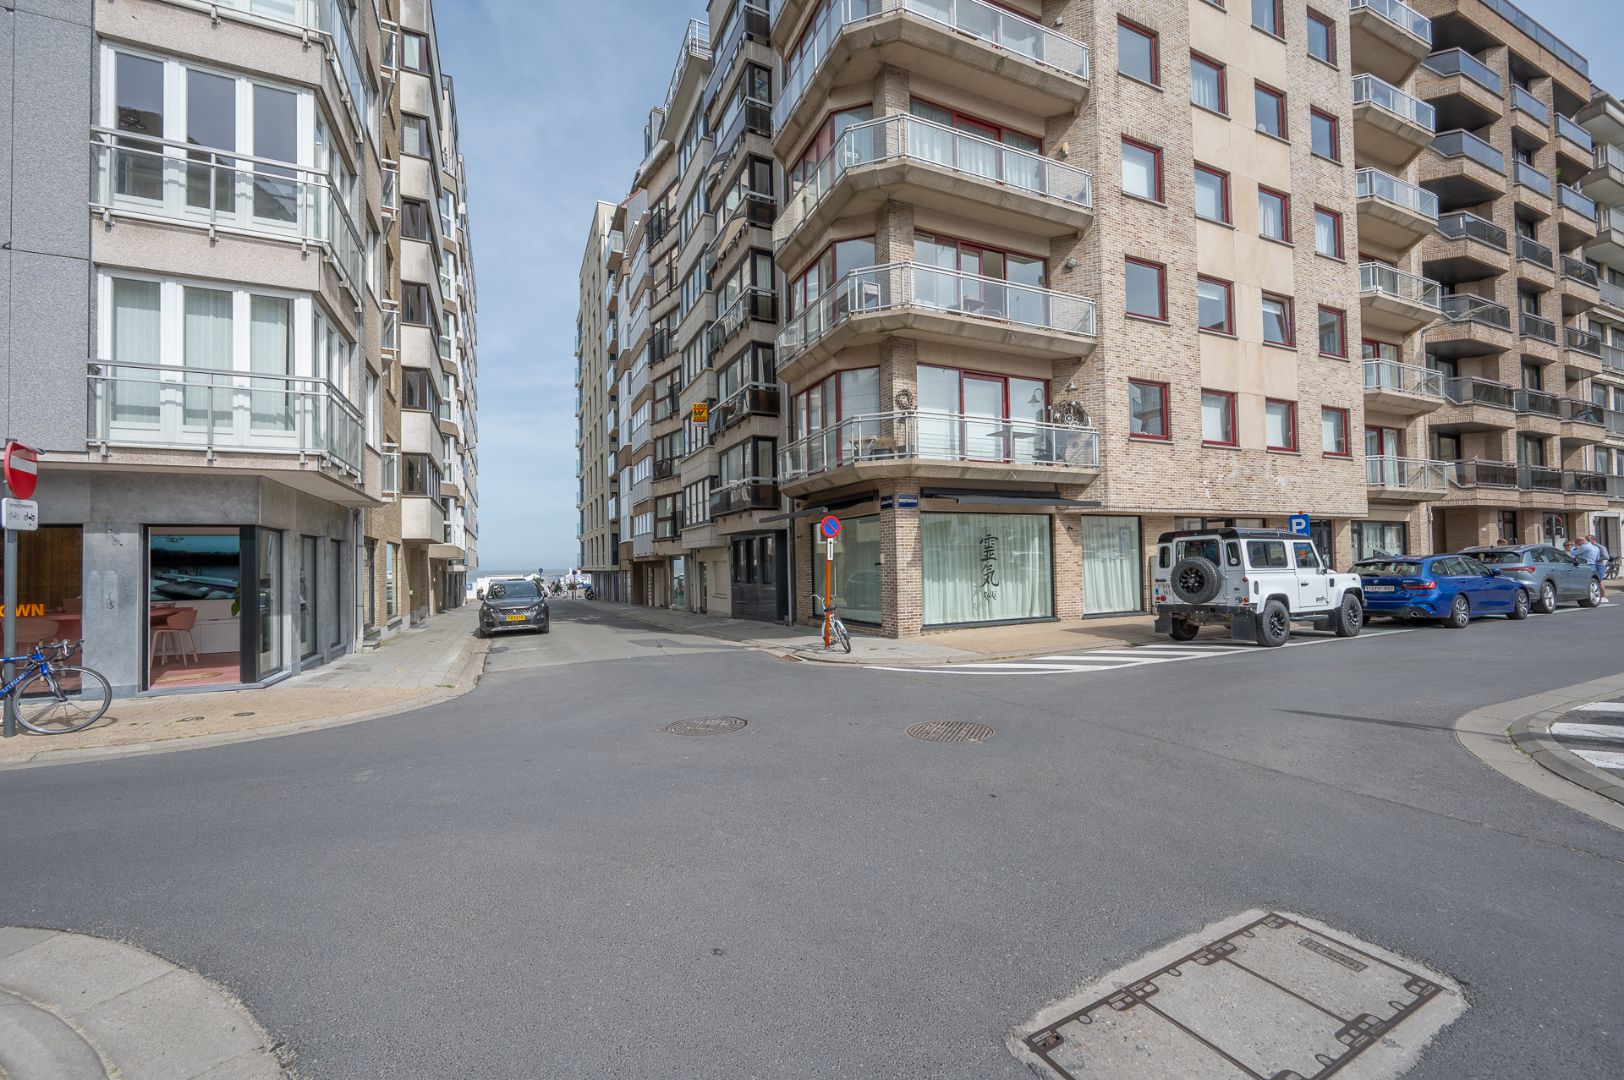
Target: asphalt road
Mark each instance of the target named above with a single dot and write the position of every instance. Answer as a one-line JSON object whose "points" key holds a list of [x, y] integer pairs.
{"points": [[536, 881]]}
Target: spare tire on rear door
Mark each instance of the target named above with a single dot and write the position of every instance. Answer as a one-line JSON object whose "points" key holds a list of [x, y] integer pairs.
{"points": [[1196, 580]]}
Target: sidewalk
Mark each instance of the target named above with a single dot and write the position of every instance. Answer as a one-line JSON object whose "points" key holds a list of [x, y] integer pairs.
{"points": [[439, 660], [1062, 637]]}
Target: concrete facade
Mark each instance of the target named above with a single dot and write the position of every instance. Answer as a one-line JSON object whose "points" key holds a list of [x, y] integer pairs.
{"points": [[598, 555]]}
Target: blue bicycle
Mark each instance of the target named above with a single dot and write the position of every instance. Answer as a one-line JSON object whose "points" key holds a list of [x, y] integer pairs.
{"points": [[54, 697]]}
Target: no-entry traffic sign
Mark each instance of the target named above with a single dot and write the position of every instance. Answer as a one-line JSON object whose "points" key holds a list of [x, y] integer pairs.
{"points": [[21, 470], [829, 527]]}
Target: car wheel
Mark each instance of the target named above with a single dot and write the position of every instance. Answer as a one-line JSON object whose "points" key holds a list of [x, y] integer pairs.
{"points": [[1519, 609], [1592, 595], [1195, 580], [1547, 599], [1273, 625], [479, 632], [1460, 613], [1349, 618], [1184, 630]]}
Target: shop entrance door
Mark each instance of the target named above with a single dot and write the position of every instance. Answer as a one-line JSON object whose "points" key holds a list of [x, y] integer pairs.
{"points": [[194, 607]]}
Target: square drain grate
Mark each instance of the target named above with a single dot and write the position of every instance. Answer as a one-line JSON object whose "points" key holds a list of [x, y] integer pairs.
{"points": [[1273, 998]]}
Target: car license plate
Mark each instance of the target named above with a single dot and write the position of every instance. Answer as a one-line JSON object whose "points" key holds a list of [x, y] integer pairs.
{"points": [[1378, 588], [515, 618]]}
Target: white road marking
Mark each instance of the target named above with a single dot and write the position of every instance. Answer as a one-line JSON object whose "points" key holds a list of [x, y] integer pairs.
{"points": [[1604, 732], [1601, 759], [1614, 708]]}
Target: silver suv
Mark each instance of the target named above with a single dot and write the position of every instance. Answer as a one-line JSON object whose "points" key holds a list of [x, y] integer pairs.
{"points": [[1550, 574], [1255, 581]]}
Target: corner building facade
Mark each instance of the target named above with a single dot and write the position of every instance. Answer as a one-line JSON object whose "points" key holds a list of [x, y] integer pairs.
{"points": [[1061, 276]]}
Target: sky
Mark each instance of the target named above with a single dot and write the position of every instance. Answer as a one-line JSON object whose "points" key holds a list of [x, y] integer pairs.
{"points": [[552, 96]]}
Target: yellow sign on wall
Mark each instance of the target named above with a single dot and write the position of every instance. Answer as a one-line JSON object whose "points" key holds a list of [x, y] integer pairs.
{"points": [[701, 413]]}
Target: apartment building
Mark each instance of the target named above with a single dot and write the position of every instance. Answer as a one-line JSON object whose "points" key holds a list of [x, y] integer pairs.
{"points": [[597, 529], [1518, 429], [1603, 120], [200, 246]]}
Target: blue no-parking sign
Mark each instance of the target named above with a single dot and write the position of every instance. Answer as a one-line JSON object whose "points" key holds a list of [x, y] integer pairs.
{"points": [[1298, 524], [829, 527]]}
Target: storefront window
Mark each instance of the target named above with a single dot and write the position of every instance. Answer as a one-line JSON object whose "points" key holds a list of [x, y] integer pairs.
{"points": [[1373, 538], [309, 638], [858, 570], [679, 585], [270, 601], [194, 607], [986, 568], [50, 577], [1111, 574]]}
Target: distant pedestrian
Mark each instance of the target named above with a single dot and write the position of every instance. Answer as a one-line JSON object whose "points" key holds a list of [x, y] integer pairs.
{"points": [[1588, 551]]}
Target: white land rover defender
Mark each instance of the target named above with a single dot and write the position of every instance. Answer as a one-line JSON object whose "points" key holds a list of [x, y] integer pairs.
{"points": [[1256, 581]]}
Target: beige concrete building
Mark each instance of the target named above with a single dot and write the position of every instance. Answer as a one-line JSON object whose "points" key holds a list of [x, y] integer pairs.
{"points": [[597, 529], [1603, 119]]}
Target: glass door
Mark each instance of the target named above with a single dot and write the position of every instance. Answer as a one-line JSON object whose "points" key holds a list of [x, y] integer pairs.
{"points": [[986, 431], [267, 623], [309, 631], [194, 607]]}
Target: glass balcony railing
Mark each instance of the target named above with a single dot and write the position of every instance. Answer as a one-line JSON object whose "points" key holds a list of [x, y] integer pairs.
{"points": [[389, 338], [1609, 156], [1403, 378], [1375, 184], [1543, 37], [1368, 89], [1580, 271], [1570, 130], [974, 19], [935, 436], [1584, 482], [1539, 478], [1463, 308], [1407, 474], [1461, 226], [1461, 62], [745, 494], [1530, 325], [1400, 15], [175, 181], [1538, 403], [895, 138], [1458, 143], [191, 408], [1530, 177], [1613, 221], [1577, 201], [1524, 101], [1612, 294], [1580, 411], [1581, 341], [1380, 279], [1471, 474], [1480, 392], [897, 286], [1531, 250]]}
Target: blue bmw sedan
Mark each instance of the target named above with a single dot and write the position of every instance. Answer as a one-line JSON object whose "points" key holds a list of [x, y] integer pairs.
{"points": [[1453, 588]]}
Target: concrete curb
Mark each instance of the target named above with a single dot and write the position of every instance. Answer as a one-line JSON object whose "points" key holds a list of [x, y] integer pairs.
{"points": [[76, 1007], [468, 676], [1508, 738]]}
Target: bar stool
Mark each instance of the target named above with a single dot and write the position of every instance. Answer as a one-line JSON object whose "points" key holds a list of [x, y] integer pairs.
{"points": [[177, 629]]}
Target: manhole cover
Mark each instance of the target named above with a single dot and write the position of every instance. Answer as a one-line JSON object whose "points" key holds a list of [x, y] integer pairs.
{"points": [[950, 731], [705, 725], [1262, 995]]}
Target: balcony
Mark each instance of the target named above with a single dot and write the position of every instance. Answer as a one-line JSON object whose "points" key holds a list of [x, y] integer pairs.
{"points": [[758, 305], [1538, 403], [741, 496], [1463, 170], [1612, 358], [1465, 91], [1460, 62], [1584, 482], [1397, 479], [1533, 326], [940, 446], [1482, 474], [694, 51], [1526, 176], [1580, 271], [1523, 101], [1570, 130], [1393, 213], [1605, 180], [930, 165], [1390, 125], [1477, 405], [1575, 217], [133, 176], [1473, 327], [1539, 478], [1581, 341], [1531, 250], [1466, 248], [1405, 389], [1388, 37], [977, 46], [752, 399], [1396, 300], [299, 430], [1608, 246], [1583, 422], [941, 305], [1480, 392]]}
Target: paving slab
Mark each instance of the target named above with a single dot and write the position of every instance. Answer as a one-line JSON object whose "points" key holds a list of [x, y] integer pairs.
{"points": [[36, 1044]]}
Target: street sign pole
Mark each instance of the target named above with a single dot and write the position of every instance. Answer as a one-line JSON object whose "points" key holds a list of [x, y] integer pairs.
{"points": [[10, 636], [20, 470]]}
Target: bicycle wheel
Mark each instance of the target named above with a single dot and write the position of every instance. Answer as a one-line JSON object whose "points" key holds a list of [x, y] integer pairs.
{"points": [[843, 637], [67, 699]]}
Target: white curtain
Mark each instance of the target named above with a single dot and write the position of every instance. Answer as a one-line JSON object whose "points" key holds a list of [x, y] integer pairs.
{"points": [[931, 143], [207, 346], [1111, 565], [136, 330], [938, 437], [270, 352], [1139, 171], [857, 570], [1270, 221], [1204, 85], [1325, 238], [986, 567], [1215, 418]]}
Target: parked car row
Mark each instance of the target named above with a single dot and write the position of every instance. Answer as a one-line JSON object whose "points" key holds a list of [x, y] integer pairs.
{"points": [[1458, 587]]}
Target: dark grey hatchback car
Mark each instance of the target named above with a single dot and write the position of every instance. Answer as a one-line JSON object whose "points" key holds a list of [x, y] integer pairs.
{"points": [[513, 604], [1549, 574]]}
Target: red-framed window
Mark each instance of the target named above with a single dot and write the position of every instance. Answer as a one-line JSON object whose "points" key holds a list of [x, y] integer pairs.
{"points": [[1268, 17], [1333, 332], [1334, 432], [1146, 288], [834, 125], [1327, 232], [1211, 193], [1277, 320], [836, 260], [1215, 305], [1270, 105], [1147, 410], [982, 260], [970, 124], [1371, 349], [1273, 214], [1141, 170], [1280, 424], [1321, 37], [1138, 52], [1218, 418], [1325, 135], [837, 397], [1209, 84]]}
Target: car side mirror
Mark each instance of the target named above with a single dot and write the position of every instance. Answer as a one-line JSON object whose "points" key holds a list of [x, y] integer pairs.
{"points": [[1491, 572]]}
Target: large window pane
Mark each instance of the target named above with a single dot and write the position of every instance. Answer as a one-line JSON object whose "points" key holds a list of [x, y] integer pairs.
{"points": [[1144, 290], [270, 602], [985, 567], [1141, 171], [211, 121], [270, 352], [206, 333], [1111, 565], [136, 333], [1213, 306], [1136, 53], [858, 568], [138, 96], [276, 136]]}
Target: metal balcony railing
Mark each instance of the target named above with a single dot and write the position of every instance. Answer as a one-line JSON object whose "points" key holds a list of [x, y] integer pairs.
{"points": [[1463, 307], [1539, 478], [1576, 201], [1533, 326], [1535, 252], [389, 336], [1400, 15], [1379, 278], [760, 305], [896, 286], [389, 487], [931, 436], [1538, 403], [1480, 392], [1531, 178], [1584, 482], [1461, 62], [1543, 37], [1459, 143], [1569, 129], [1581, 341], [1011, 34], [695, 47], [1407, 474], [220, 190], [1368, 89], [1580, 411], [1615, 487], [1580, 271], [898, 138], [219, 410], [740, 496], [1470, 474], [1375, 184], [1524, 101], [752, 399], [1404, 378], [1612, 357], [1464, 225]]}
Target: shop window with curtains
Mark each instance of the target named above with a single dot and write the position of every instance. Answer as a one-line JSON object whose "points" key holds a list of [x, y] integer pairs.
{"points": [[859, 569], [981, 568]]}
